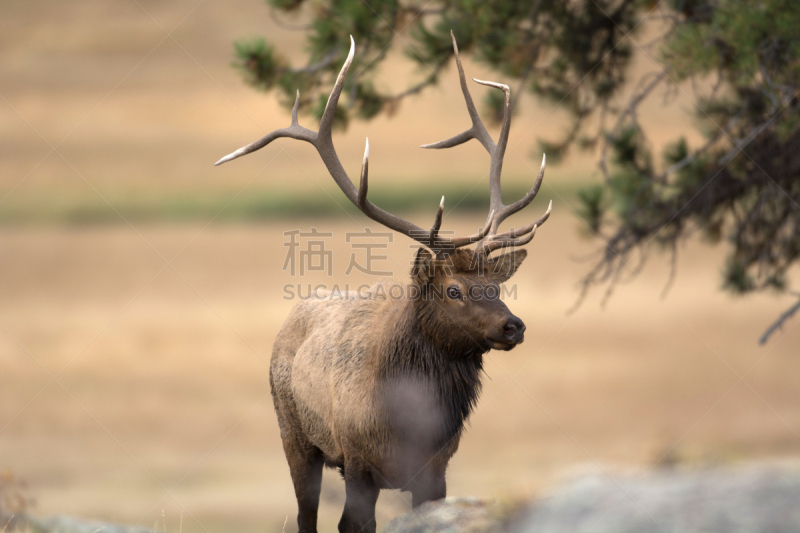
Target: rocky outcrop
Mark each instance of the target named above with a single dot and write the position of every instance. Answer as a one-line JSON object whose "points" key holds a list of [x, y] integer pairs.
{"points": [[757, 498], [451, 515], [754, 498], [67, 524]]}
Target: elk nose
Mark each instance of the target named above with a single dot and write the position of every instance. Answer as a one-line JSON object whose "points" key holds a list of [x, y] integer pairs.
{"points": [[514, 329]]}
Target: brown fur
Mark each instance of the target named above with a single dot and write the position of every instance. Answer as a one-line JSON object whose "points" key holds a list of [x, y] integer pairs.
{"points": [[380, 387]]}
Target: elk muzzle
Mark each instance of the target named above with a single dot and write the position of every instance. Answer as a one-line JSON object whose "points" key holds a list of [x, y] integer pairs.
{"points": [[511, 333]]}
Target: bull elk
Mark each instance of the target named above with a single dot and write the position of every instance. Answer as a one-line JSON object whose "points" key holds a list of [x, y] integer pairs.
{"points": [[381, 387]]}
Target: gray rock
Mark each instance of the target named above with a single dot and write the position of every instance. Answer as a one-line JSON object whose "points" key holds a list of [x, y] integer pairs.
{"points": [[752, 499], [67, 524], [451, 515]]}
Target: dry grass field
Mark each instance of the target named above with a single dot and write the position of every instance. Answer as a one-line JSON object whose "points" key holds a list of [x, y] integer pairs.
{"points": [[161, 402], [139, 95], [133, 358]]}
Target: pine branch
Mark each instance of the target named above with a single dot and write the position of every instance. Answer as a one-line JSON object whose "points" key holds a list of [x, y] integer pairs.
{"points": [[633, 104], [778, 324]]}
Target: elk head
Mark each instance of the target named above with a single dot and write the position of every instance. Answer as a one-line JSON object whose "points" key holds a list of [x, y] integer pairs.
{"points": [[463, 282], [460, 294]]}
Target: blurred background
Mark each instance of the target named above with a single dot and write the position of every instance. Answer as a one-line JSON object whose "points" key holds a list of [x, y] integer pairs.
{"points": [[142, 287]]}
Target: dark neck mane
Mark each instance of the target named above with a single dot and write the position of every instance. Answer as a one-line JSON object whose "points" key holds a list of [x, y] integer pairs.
{"points": [[452, 377]]}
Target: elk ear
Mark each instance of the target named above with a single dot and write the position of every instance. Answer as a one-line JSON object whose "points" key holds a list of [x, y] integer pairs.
{"points": [[503, 267], [422, 271]]}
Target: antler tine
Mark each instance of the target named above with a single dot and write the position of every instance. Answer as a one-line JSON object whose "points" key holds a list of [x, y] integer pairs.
{"points": [[430, 238], [437, 223], [295, 131], [295, 107], [364, 184], [519, 205], [478, 130], [513, 208], [326, 122], [504, 241], [526, 229], [496, 166]]}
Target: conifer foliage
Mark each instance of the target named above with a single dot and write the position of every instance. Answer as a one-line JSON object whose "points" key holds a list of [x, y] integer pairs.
{"points": [[740, 186]]}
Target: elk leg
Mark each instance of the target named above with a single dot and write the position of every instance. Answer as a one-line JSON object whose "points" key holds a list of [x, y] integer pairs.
{"points": [[431, 487], [305, 465], [359, 506]]}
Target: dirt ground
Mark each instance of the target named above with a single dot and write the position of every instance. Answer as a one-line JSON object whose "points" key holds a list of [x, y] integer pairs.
{"points": [[158, 339]]}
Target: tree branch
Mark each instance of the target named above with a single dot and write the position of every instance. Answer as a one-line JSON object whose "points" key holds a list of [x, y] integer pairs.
{"points": [[319, 65], [414, 89], [778, 324], [628, 111]]}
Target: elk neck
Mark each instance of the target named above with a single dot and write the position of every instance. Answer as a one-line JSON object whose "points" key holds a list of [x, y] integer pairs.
{"points": [[416, 347]]}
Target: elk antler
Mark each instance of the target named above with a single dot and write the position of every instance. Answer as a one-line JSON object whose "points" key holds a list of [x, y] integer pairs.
{"points": [[322, 141], [498, 211]]}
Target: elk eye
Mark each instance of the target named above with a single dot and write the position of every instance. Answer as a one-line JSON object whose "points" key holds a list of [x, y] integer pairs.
{"points": [[454, 293]]}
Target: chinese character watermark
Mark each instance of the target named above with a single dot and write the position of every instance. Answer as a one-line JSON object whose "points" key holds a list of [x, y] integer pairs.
{"points": [[313, 258], [306, 251], [369, 246]]}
